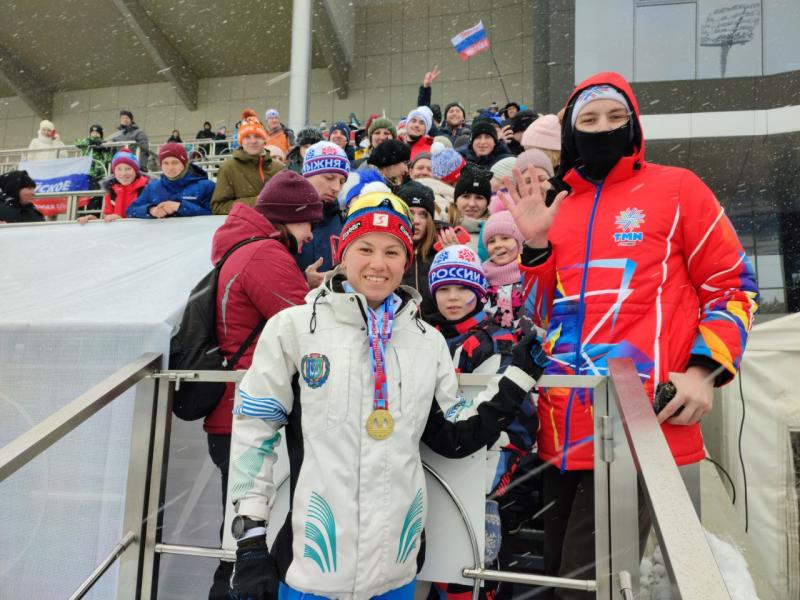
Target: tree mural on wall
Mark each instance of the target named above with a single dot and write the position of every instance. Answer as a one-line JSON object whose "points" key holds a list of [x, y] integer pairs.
{"points": [[728, 26]]}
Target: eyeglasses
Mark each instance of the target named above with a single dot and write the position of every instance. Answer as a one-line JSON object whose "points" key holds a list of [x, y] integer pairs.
{"points": [[377, 200]]}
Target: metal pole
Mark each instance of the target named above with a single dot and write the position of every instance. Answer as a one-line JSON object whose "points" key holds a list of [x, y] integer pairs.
{"points": [[157, 479], [220, 553], [300, 67], [72, 207], [623, 503], [33, 442], [476, 588], [87, 585], [499, 74], [138, 486], [603, 454], [690, 564], [587, 585]]}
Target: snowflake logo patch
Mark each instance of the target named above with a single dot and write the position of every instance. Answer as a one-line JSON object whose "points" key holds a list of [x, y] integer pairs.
{"points": [[628, 222], [466, 254]]}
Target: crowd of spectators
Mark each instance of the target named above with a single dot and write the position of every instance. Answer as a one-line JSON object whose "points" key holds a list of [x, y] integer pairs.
{"points": [[486, 254]]}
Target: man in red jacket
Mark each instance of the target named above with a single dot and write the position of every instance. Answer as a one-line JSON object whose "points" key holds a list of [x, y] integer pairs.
{"points": [[638, 261], [257, 281]]}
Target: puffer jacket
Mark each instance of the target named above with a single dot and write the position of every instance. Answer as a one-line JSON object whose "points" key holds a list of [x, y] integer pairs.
{"points": [[643, 265], [256, 282], [358, 504], [476, 343], [240, 179], [499, 152], [193, 191], [132, 133], [119, 197]]}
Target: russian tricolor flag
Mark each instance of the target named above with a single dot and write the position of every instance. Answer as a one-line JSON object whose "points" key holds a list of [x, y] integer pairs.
{"points": [[471, 41]]}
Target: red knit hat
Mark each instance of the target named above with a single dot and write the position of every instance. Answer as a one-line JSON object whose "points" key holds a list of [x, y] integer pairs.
{"points": [[175, 150], [250, 125], [377, 212], [288, 197]]}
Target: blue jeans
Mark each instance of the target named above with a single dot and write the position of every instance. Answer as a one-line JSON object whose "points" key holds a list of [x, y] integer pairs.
{"points": [[402, 593]]}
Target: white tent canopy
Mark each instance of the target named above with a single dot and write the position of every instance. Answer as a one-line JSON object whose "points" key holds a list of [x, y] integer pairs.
{"points": [[769, 392], [78, 303]]}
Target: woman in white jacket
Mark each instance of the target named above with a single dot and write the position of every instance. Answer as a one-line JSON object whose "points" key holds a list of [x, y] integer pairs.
{"points": [[46, 138], [357, 381]]}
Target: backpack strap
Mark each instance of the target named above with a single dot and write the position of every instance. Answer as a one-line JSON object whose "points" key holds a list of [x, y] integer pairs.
{"points": [[246, 344], [258, 328], [235, 247]]}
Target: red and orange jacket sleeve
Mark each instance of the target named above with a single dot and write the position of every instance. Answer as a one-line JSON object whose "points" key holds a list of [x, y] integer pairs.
{"points": [[721, 275], [539, 285]]}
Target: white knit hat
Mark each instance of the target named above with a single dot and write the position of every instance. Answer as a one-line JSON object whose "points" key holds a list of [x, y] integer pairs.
{"points": [[597, 92], [502, 168], [423, 113]]}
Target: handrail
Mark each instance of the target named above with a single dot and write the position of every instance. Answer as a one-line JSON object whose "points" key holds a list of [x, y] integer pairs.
{"points": [[109, 560], [628, 441], [33, 442], [67, 147], [687, 555], [586, 585], [201, 551]]}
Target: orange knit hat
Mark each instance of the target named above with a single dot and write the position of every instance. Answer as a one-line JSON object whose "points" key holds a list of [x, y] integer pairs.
{"points": [[250, 125]]}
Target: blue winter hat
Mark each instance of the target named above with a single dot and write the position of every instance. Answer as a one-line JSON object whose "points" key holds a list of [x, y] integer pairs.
{"points": [[341, 126], [125, 157], [446, 165], [359, 182], [325, 157], [458, 265]]}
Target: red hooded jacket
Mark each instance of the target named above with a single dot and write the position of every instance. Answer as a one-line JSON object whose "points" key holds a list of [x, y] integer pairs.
{"points": [[644, 265], [257, 281]]}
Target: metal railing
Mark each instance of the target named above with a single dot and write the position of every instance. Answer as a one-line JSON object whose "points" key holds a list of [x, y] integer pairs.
{"points": [[11, 157], [628, 446]]}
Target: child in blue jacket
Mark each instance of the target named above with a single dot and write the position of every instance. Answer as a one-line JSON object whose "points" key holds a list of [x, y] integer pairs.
{"points": [[183, 190]]}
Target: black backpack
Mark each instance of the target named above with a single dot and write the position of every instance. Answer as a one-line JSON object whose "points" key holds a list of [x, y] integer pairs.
{"points": [[195, 346]]}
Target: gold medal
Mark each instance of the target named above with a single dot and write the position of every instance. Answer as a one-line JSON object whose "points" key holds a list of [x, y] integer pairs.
{"points": [[380, 424]]}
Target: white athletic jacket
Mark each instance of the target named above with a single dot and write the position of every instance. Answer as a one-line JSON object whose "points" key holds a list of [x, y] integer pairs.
{"points": [[358, 505]]}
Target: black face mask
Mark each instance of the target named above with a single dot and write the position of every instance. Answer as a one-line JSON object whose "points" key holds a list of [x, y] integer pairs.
{"points": [[600, 151]]}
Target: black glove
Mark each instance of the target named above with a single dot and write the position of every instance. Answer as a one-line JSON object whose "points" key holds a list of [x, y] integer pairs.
{"points": [[95, 142], [254, 574], [529, 356]]}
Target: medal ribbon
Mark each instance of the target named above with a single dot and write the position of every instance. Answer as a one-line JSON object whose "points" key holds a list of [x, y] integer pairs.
{"points": [[378, 338]]}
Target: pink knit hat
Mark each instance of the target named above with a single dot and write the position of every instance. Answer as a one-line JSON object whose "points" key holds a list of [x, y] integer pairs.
{"points": [[544, 132], [536, 158], [502, 223]]}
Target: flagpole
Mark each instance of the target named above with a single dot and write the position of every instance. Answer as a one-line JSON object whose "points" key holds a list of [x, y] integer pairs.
{"points": [[499, 74]]}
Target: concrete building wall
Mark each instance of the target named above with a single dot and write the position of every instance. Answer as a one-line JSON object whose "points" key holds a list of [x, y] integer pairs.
{"points": [[394, 44]]}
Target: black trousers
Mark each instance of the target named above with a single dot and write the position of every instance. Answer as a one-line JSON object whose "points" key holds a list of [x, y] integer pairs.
{"points": [[569, 529], [219, 449]]}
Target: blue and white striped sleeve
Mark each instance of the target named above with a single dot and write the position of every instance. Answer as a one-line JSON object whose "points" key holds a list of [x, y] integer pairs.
{"points": [[266, 399], [269, 409]]}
